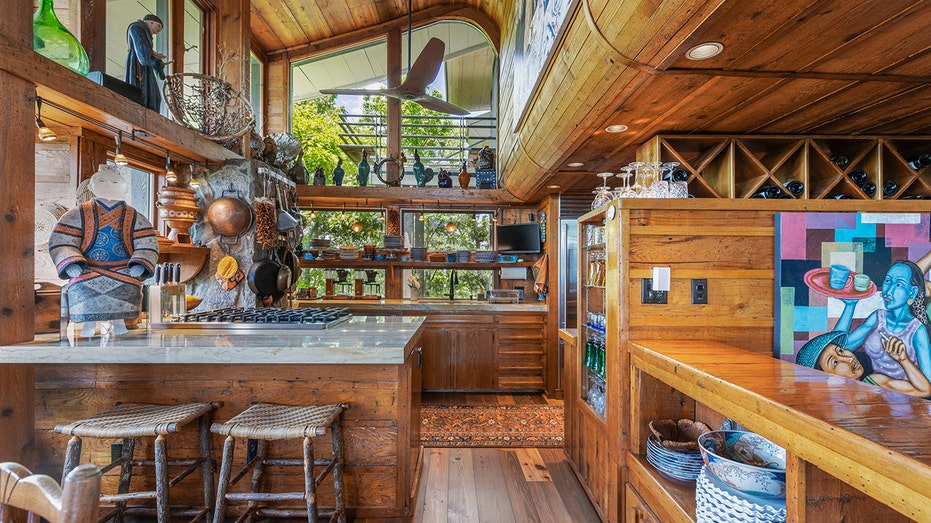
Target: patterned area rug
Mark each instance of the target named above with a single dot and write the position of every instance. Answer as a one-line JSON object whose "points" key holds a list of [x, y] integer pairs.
{"points": [[492, 426]]}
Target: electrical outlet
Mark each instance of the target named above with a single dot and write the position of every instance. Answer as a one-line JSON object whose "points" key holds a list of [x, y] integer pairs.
{"points": [[648, 295], [699, 291]]}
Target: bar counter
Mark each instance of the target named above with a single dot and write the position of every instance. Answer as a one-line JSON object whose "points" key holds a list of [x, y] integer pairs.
{"points": [[361, 340], [426, 306], [368, 362]]}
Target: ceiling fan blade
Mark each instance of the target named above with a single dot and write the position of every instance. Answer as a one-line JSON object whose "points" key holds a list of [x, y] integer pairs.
{"points": [[442, 106], [425, 67], [358, 92]]}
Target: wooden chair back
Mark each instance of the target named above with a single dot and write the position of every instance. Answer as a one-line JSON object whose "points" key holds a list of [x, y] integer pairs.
{"points": [[76, 501]]}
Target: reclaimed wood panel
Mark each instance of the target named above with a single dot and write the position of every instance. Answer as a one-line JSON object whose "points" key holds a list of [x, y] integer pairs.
{"points": [[377, 443]]}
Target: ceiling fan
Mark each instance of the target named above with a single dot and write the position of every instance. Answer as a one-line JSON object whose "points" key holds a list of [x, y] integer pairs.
{"points": [[414, 86]]}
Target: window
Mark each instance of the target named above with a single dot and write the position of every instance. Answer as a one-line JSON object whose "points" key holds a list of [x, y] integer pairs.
{"points": [[121, 13], [448, 233], [256, 89], [340, 228], [193, 38]]}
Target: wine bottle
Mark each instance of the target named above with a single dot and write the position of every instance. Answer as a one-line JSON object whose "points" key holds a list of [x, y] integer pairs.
{"points": [[858, 176], [676, 175], [840, 161], [767, 191], [869, 189], [890, 188], [920, 162], [795, 187], [842, 196]]}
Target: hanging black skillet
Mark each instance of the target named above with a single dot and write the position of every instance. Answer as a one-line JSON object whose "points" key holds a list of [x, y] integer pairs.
{"points": [[263, 276]]}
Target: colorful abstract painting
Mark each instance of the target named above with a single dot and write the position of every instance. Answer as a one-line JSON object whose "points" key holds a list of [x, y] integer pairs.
{"points": [[832, 318]]}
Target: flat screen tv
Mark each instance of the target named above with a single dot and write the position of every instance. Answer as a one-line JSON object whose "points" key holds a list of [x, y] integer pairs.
{"points": [[518, 238]]}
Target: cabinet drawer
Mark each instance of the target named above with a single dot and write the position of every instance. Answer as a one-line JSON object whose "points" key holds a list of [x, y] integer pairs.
{"points": [[636, 511]]}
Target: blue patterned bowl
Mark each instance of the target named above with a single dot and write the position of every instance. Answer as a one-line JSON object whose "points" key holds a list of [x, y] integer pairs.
{"points": [[745, 461]]}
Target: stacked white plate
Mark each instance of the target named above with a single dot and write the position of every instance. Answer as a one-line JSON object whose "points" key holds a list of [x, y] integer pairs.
{"points": [[348, 253], [678, 465], [715, 502]]}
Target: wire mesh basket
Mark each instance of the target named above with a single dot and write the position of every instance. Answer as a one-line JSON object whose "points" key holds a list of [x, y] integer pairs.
{"points": [[209, 105]]}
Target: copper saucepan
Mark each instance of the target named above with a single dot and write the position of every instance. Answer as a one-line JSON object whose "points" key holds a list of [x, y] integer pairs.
{"points": [[230, 216]]}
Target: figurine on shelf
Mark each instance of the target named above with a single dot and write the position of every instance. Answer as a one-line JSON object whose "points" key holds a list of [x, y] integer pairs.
{"points": [[364, 169], [338, 173], [444, 180], [319, 177], [464, 177], [486, 159], [423, 176], [143, 62], [106, 249]]}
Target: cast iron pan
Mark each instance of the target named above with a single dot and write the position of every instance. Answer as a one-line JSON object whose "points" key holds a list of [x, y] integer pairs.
{"points": [[263, 277]]}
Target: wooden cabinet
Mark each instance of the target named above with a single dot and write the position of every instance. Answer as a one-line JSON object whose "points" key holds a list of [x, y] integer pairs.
{"points": [[459, 354], [828, 166], [474, 352], [636, 511]]}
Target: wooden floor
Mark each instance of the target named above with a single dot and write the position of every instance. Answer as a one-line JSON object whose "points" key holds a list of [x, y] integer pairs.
{"points": [[499, 485]]}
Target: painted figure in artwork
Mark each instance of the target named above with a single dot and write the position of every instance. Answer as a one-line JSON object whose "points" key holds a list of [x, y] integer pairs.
{"points": [[903, 318], [105, 248], [828, 353]]}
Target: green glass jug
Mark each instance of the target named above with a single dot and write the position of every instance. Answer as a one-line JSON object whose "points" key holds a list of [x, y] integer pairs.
{"points": [[53, 40]]}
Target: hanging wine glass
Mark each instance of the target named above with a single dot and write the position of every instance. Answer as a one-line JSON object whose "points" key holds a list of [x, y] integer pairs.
{"points": [[637, 189], [624, 191], [602, 194]]}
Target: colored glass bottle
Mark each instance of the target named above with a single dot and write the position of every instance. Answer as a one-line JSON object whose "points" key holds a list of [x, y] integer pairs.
{"points": [[338, 173], [364, 169], [53, 40]]}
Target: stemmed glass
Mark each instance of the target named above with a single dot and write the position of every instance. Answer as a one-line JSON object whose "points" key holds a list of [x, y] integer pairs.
{"points": [[638, 187], [625, 191], [602, 194]]}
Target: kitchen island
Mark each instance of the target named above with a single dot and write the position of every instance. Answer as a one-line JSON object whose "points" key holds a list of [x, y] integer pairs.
{"points": [[369, 362]]}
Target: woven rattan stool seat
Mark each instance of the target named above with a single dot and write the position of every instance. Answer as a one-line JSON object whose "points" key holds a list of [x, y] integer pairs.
{"points": [[271, 422], [134, 420]]}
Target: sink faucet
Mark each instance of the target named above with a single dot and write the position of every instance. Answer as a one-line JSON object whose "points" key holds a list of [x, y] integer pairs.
{"points": [[453, 280]]}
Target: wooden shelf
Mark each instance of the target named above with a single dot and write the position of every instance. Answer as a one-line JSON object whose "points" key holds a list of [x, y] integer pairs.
{"points": [[310, 195], [192, 259], [730, 166], [391, 264]]}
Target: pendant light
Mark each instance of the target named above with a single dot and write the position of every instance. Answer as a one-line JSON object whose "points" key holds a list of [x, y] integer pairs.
{"points": [[170, 175], [313, 214], [45, 134], [357, 227], [119, 158], [451, 227], [194, 183]]}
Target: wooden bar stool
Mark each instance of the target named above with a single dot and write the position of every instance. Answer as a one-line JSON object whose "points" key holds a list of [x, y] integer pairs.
{"points": [[267, 422], [129, 421]]}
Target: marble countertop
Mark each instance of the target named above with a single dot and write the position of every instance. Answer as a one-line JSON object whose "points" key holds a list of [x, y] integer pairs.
{"points": [[361, 340]]}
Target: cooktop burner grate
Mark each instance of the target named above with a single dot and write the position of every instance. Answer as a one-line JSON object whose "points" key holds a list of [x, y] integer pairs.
{"points": [[241, 318]]}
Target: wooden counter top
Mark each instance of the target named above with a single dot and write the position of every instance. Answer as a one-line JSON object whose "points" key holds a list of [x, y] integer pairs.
{"points": [[425, 306], [570, 336], [361, 340], [871, 438]]}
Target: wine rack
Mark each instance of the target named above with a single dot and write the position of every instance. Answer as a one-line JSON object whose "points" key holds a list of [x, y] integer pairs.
{"points": [[828, 167]]}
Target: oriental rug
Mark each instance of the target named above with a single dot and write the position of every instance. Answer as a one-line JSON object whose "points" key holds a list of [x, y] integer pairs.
{"points": [[491, 426]]}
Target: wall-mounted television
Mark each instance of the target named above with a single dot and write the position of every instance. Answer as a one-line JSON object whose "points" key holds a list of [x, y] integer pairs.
{"points": [[518, 238]]}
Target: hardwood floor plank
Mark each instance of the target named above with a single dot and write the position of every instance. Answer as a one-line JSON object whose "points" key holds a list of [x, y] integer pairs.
{"points": [[578, 507], [521, 499], [547, 501], [494, 503], [532, 465], [436, 506], [462, 497]]}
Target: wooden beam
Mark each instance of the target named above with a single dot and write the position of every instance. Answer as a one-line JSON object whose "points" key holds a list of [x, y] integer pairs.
{"points": [[93, 18], [309, 195]]}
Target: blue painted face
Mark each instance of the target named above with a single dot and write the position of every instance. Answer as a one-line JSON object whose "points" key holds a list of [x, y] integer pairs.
{"points": [[897, 287]]}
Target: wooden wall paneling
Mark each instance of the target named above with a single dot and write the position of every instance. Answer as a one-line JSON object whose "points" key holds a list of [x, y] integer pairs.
{"points": [[93, 16], [827, 498], [551, 248], [376, 448], [17, 170], [277, 95]]}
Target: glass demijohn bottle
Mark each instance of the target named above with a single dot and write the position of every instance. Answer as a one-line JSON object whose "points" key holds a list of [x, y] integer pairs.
{"points": [[53, 40]]}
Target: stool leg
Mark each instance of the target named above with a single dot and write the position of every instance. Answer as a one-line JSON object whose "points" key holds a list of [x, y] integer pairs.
{"points": [[223, 483], [310, 484], [126, 475], [206, 456], [163, 512], [258, 471], [72, 456], [336, 432]]}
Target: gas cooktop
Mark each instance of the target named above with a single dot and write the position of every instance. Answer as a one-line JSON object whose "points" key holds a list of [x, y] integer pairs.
{"points": [[240, 318]]}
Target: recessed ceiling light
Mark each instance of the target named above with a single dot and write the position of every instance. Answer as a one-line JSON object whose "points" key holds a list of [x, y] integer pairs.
{"points": [[574, 164], [617, 128], [704, 51], [554, 186]]}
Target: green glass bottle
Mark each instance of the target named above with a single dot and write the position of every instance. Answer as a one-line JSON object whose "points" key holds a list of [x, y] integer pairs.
{"points": [[53, 40]]}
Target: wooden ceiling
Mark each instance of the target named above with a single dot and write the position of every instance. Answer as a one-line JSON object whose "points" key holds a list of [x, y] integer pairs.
{"points": [[788, 67]]}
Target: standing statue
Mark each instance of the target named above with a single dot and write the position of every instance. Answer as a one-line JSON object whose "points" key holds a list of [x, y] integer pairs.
{"points": [[106, 249], [486, 159], [338, 173], [143, 62], [444, 180], [464, 177], [423, 176], [319, 177], [364, 169]]}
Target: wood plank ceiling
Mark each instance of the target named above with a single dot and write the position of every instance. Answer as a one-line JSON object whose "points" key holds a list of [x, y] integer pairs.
{"points": [[789, 67]]}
